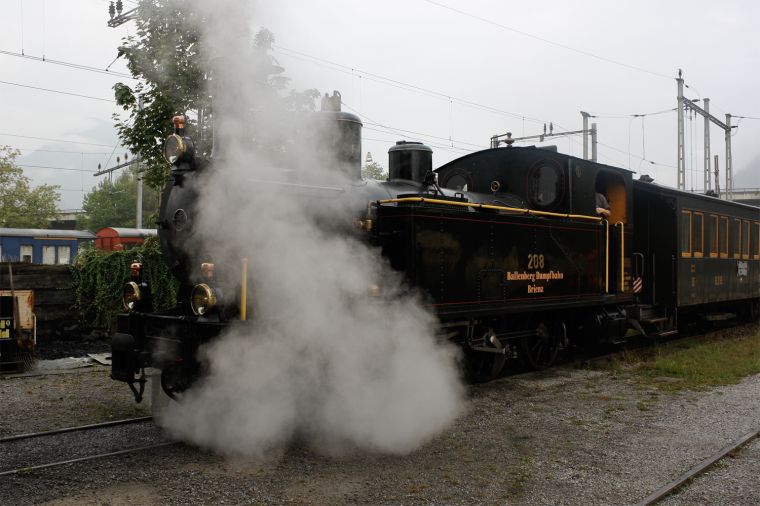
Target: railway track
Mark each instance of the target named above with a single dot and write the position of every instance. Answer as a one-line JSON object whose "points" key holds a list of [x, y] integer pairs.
{"points": [[668, 489], [22, 457], [28, 469], [79, 428]]}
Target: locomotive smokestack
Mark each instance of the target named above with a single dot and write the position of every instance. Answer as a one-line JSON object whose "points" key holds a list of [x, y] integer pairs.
{"points": [[410, 161], [339, 137]]}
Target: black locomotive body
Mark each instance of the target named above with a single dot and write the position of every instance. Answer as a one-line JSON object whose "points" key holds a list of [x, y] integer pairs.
{"points": [[506, 243]]}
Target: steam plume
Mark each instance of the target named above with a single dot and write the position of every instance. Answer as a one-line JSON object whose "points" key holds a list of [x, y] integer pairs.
{"points": [[321, 360]]}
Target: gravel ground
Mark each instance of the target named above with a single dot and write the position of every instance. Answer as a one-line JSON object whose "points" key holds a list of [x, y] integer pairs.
{"points": [[566, 436]]}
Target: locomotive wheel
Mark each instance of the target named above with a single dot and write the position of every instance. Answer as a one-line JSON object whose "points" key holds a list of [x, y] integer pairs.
{"points": [[175, 380], [483, 366], [540, 352]]}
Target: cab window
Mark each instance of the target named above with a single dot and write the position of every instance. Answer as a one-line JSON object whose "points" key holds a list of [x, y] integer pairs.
{"points": [[545, 184], [458, 180]]}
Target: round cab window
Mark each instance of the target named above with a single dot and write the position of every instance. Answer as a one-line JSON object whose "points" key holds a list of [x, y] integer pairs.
{"points": [[457, 181], [545, 184]]}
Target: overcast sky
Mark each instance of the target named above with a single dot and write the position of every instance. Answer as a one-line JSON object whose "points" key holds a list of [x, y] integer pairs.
{"points": [[448, 73]]}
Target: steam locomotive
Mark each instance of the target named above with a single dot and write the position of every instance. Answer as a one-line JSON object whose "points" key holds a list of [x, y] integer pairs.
{"points": [[506, 242]]}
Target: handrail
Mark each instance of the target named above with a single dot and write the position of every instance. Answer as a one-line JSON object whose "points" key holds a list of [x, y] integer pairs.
{"points": [[622, 255], [607, 257], [490, 206]]}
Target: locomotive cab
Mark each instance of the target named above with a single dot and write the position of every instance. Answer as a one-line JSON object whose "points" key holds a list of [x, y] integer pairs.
{"points": [[513, 253]]}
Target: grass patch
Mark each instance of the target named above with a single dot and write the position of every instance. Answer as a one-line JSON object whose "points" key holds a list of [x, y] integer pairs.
{"points": [[695, 363]]}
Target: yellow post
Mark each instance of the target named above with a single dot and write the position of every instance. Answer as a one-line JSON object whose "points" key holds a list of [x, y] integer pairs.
{"points": [[622, 255], [607, 257], [244, 290]]}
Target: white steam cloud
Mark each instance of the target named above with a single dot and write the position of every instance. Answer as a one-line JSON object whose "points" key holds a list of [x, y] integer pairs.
{"points": [[320, 359]]}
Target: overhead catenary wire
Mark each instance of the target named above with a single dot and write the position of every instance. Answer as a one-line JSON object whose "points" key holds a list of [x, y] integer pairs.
{"points": [[63, 151], [632, 115], [403, 85], [21, 9], [56, 140], [652, 162], [24, 165], [421, 134], [442, 147], [44, 2], [57, 91], [397, 131], [547, 41], [67, 64], [349, 70]]}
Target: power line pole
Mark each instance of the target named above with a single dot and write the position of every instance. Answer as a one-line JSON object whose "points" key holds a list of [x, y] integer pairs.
{"points": [[681, 147], [138, 175], [717, 180], [118, 17], [685, 104], [707, 179], [729, 162]]}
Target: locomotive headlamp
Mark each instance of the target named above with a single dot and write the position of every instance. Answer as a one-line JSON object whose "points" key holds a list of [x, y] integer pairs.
{"points": [[131, 295], [177, 147], [174, 148], [203, 299]]}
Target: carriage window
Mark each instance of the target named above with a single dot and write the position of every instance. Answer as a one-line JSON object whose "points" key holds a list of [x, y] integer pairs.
{"points": [[685, 233], [723, 237], [544, 184], [755, 241], [48, 255], [745, 239], [26, 253], [736, 237], [697, 243], [712, 236], [64, 254]]}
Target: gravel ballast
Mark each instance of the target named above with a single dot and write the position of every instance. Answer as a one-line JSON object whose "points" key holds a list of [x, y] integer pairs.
{"points": [[564, 436]]}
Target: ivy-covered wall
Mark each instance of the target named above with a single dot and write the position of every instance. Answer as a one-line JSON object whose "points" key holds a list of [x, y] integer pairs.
{"points": [[99, 276]]}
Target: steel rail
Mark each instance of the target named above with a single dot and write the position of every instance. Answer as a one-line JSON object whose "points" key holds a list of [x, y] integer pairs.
{"points": [[76, 429], [23, 470], [57, 372], [674, 485]]}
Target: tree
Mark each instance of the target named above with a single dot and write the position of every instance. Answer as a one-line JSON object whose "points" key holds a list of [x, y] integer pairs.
{"points": [[20, 205], [114, 203], [166, 55], [373, 170]]}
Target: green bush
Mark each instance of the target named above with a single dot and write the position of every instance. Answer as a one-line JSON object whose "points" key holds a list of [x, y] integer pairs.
{"points": [[100, 275]]}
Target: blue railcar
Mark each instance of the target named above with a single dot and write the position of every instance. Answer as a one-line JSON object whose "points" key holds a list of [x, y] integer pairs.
{"points": [[41, 246]]}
